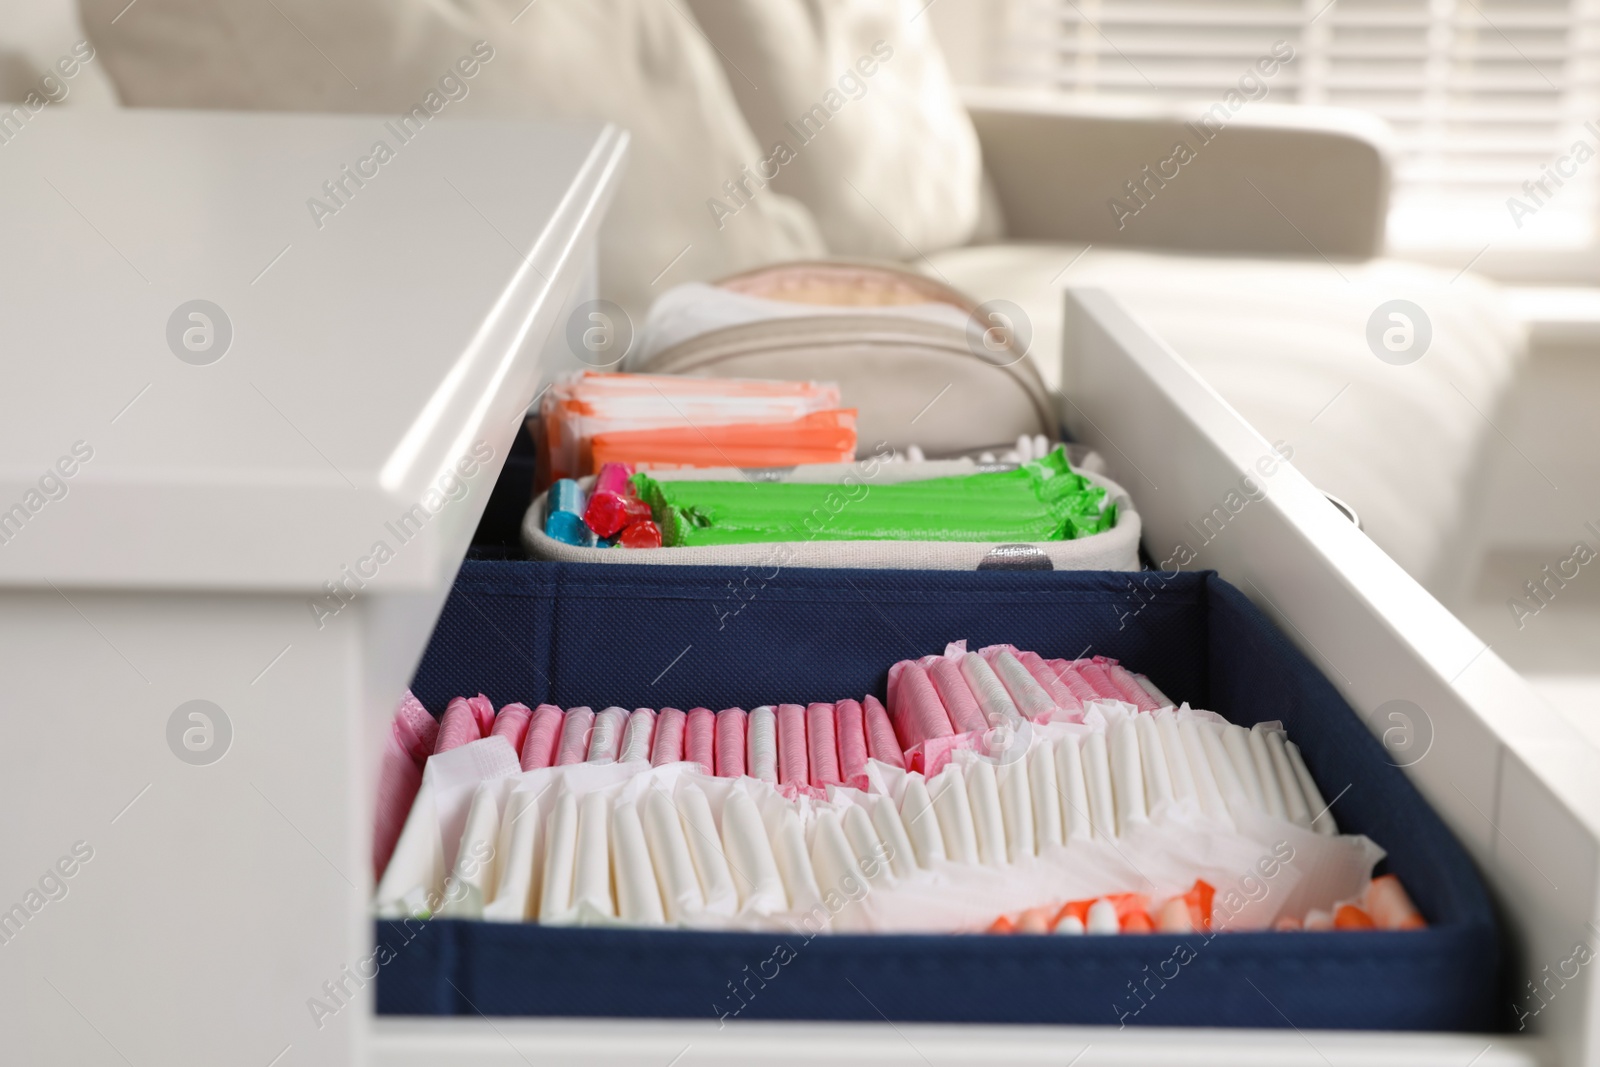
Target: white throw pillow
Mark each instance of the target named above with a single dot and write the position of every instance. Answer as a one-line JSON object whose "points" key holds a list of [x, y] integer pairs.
{"points": [[1284, 342], [639, 63], [857, 117]]}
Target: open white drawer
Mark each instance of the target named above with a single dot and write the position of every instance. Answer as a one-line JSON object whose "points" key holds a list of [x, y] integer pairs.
{"points": [[222, 897], [1505, 772]]}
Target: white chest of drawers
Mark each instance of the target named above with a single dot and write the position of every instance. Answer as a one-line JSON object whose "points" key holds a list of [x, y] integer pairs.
{"points": [[263, 502]]}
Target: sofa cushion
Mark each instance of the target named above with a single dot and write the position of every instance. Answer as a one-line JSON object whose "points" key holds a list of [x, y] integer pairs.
{"points": [[638, 63], [853, 104], [40, 40], [1285, 342]]}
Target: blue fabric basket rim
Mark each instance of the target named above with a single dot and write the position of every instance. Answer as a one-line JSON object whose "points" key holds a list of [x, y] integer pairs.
{"points": [[1459, 934]]}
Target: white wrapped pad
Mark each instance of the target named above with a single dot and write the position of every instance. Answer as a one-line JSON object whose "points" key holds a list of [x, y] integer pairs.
{"points": [[1212, 803], [474, 875], [950, 804], [872, 859], [794, 865], [1101, 803], [922, 824], [1236, 740], [1321, 811], [638, 895], [705, 848], [1127, 776], [669, 853], [1184, 789], [1158, 792], [1045, 788], [984, 793], [1294, 802], [560, 860], [518, 852], [591, 878], [1261, 760], [892, 832], [1016, 808], [749, 853], [832, 858], [1214, 737]]}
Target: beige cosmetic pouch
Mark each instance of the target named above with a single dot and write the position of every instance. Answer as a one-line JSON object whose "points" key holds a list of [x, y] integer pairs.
{"points": [[920, 362]]}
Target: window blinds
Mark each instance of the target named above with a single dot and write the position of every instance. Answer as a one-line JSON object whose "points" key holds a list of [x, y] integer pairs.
{"points": [[1483, 95]]}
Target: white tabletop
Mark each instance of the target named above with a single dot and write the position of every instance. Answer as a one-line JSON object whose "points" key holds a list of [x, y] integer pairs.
{"points": [[370, 346]]}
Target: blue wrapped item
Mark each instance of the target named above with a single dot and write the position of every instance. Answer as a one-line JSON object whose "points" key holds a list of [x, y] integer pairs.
{"points": [[567, 495], [815, 633], [569, 529], [564, 518]]}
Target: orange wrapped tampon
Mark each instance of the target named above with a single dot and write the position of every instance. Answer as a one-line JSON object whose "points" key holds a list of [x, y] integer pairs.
{"points": [[1073, 909], [1173, 918], [820, 437], [1350, 917], [1138, 922], [1390, 907], [1035, 921], [1198, 899]]}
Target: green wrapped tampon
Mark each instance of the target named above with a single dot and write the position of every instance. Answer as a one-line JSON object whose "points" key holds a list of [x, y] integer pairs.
{"points": [[1040, 501]]}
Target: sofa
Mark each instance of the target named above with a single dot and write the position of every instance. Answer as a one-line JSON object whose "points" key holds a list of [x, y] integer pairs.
{"points": [[766, 130]]}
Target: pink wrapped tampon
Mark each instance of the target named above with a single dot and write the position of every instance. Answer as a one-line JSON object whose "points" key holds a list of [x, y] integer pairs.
{"points": [[512, 724], [412, 737], [1026, 693], [482, 710], [730, 742], [851, 728], [1059, 691], [916, 711], [668, 747], [1068, 673], [956, 696], [544, 735], [637, 735], [699, 738], [793, 767], [822, 749], [575, 729], [881, 742], [416, 731], [1161, 699], [1129, 686], [1095, 674], [460, 726]]}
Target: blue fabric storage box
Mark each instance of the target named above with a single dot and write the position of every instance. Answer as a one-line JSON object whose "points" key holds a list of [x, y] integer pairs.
{"points": [[573, 634]]}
